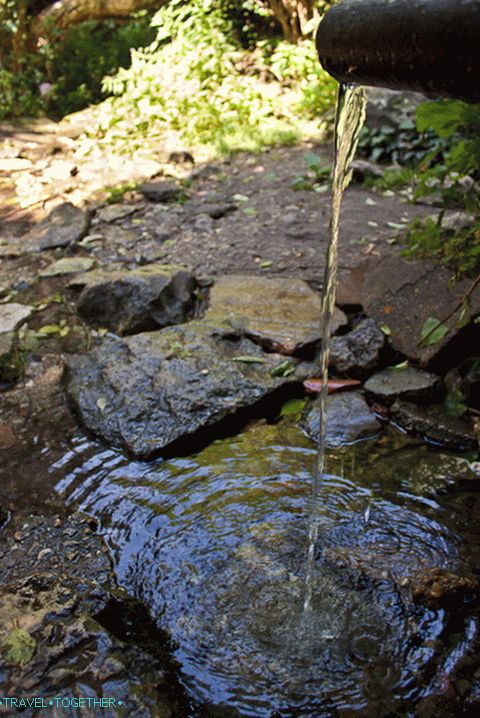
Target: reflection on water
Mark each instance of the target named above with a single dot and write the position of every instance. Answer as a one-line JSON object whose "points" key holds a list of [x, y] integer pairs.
{"points": [[214, 544]]}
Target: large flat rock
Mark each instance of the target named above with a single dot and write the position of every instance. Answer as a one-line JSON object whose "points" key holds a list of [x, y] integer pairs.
{"points": [[403, 295], [281, 314], [146, 391]]}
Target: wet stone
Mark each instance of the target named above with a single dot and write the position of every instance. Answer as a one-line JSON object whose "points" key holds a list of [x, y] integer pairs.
{"points": [[437, 588], [435, 425], [63, 227], [358, 351], [54, 627], [139, 300], [406, 383], [281, 314], [147, 391], [348, 419]]}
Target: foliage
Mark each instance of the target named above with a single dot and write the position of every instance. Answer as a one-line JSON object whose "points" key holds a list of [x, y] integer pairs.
{"points": [[196, 81], [78, 61], [404, 144], [317, 176], [458, 249]]}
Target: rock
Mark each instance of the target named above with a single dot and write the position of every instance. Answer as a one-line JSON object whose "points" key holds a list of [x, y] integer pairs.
{"points": [[147, 391], [282, 315], [437, 588], [11, 317], [181, 157], [358, 351], [64, 226], [406, 382], [61, 170], [68, 265], [404, 294], [217, 210], [14, 164], [434, 425], [58, 630], [7, 440], [160, 191], [348, 419], [112, 212], [203, 223], [139, 300], [362, 170]]}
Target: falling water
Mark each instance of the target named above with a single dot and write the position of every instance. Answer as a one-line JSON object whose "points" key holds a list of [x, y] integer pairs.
{"points": [[350, 116]]}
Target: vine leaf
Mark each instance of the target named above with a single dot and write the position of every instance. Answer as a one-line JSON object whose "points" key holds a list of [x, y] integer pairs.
{"points": [[433, 331]]}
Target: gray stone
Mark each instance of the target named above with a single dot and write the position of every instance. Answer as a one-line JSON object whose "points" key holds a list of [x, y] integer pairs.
{"points": [[358, 351], [160, 191], [12, 315], [68, 265], [348, 419], [362, 170], [217, 210], [435, 425], [281, 314], [405, 382], [64, 226], [403, 295], [144, 392], [139, 300], [112, 212]]}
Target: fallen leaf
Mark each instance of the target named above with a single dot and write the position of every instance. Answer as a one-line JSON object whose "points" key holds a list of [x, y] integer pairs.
{"points": [[314, 386], [19, 647], [247, 359]]}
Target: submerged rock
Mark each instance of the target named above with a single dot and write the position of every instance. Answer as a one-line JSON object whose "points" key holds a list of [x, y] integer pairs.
{"points": [[406, 382], [63, 227], [54, 626], [434, 425], [348, 419], [147, 391], [359, 350], [139, 300], [437, 588], [281, 314]]}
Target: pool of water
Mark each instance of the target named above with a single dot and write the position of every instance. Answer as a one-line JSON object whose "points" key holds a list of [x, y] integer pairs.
{"points": [[215, 544]]}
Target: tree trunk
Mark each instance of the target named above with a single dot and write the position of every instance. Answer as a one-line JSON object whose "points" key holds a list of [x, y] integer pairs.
{"points": [[63, 13], [292, 15]]}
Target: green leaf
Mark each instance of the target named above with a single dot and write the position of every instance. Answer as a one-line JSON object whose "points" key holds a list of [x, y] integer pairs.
{"points": [[19, 647], [286, 368], [266, 264], [433, 331], [50, 329], [386, 330], [294, 406], [455, 404], [444, 117], [247, 359]]}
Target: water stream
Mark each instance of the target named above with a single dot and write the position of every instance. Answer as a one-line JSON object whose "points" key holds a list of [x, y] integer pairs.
{"points": [[350, 116]]}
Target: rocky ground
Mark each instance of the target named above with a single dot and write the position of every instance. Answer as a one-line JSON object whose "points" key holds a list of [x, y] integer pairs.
{"points": [[163, 320]]}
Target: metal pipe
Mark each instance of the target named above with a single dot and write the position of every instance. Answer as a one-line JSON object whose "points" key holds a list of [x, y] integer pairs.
{"points": [[429, 46]]}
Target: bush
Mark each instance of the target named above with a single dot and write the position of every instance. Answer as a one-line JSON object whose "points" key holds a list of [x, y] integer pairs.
{"points": [[197, 81]]}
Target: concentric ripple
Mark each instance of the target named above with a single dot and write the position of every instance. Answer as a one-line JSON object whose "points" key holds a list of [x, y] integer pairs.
{"points": [[215, 546]]}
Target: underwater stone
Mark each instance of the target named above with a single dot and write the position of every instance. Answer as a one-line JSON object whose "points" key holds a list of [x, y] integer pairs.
{"points": [[435, 425]]}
